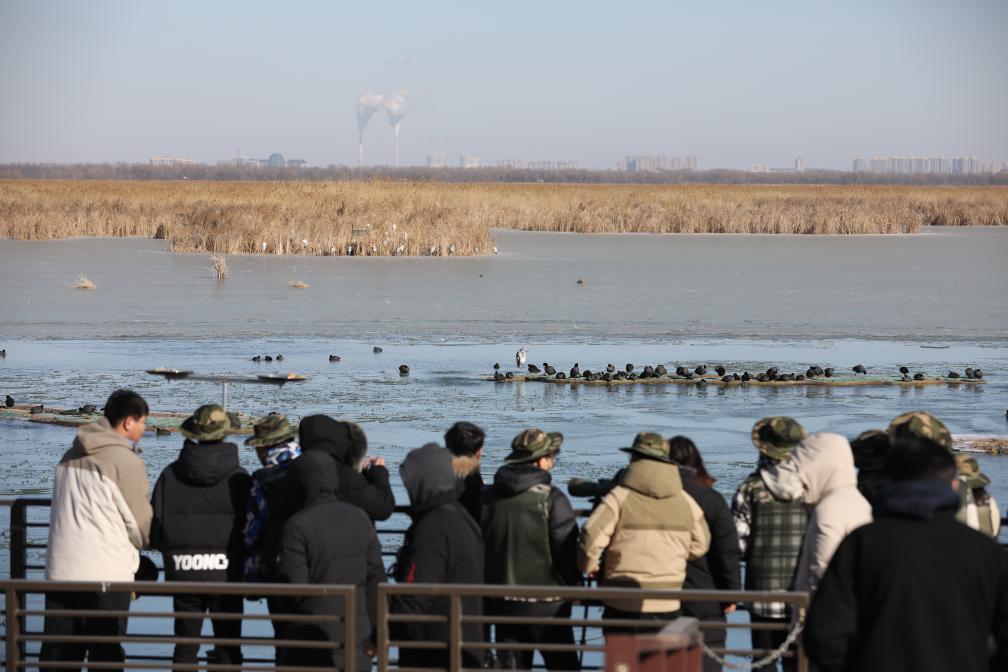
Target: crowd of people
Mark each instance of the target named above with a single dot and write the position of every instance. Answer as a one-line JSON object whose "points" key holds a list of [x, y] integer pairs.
{"points": [[892, 533]]}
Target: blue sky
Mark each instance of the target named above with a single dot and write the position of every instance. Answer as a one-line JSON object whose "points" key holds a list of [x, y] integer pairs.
{"points": [[730, 82]]}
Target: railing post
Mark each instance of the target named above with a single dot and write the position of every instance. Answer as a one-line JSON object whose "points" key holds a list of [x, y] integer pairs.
{"points": [[350, 632], [803, 662], [19, 539], [382, 627], [13, 629], [455, 633]]}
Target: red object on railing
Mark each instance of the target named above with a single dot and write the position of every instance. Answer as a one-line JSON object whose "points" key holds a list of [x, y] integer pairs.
{"points": [[678, 647]]}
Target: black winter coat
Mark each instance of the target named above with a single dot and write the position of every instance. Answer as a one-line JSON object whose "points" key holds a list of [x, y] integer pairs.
{"points": [[327, 542], [719, 568], [368, 490], [513, 479], [913, 590], [199, 510], [471, 498], [442, 545]]}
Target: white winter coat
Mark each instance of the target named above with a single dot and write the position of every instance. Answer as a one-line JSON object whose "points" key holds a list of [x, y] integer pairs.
{"points": [[826, 467], [101, 513]]}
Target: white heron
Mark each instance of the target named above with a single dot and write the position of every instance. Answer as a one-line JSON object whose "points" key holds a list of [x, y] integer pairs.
{"points": [[520, 357], [495, 249], [304, 242], [264, 247]]}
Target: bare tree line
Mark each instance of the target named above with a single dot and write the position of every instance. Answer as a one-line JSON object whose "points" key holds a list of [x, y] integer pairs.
{"points": [[142, 171]]}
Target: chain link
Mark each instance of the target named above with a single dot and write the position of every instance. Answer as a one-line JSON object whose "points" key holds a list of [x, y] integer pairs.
{"points": [[773, 657]]}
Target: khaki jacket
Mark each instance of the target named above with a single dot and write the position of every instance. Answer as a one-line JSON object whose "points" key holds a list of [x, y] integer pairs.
{"points": [[648, 527]]}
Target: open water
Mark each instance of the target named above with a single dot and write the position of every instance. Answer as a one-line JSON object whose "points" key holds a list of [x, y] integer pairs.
{"points": [[931, 302]]}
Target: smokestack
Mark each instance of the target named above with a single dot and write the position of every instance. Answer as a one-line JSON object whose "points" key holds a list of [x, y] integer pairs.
{"points": [[367, 104], [395, 105], [395, 132]]}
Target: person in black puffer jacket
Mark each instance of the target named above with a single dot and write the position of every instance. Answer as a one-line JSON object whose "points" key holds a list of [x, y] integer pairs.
{"points": [[199, 506], [365, 485], [327, 542], [442, 545], [719, 568]]}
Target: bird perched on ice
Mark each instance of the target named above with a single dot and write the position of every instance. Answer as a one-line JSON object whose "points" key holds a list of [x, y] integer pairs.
{"points": [[520, 357]]}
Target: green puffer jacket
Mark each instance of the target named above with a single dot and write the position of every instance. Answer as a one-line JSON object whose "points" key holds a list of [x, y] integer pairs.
{"points": [[529, 530]]}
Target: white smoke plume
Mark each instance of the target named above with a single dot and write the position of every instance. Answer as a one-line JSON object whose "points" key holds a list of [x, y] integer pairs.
{"points": [[396, 105], [367, 104]]}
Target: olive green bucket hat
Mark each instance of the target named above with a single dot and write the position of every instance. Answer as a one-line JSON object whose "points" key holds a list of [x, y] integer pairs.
{"points": [[532, 444], [272, 430], [209, 423], [969, 471], [777, 436], [651, 445], [921, 425]]}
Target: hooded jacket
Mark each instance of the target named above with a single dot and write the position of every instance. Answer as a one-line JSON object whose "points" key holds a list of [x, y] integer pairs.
{"points": [[648, 527], [199, 506], [442, 545], [915, 590], [100, 515], [770, 518], [368, 490], [826, 466], [529, 529], [719, 568], [327, 542]]}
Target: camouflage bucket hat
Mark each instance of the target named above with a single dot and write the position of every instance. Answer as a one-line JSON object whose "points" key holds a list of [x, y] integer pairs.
{"points": [[209, 423], [922, 425], [776, 436], [272, 430], [532, 444], [969, 471], [651, 445]]}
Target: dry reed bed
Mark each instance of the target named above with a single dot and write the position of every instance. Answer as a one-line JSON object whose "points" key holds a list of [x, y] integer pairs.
{"points": [[387, 218]]}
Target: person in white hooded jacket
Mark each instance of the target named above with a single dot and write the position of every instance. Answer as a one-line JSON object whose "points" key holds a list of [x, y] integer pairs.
{"points": [[825, 465], [99, 520]]}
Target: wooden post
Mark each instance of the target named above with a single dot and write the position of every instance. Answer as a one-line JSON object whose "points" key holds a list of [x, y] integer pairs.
{"points": [[13, 630], [455, 634], [350, 631], [383, 629]]}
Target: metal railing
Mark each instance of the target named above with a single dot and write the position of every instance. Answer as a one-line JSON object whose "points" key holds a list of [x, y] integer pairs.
{"points": [[19, 611], [456, 618], [146, 650]]}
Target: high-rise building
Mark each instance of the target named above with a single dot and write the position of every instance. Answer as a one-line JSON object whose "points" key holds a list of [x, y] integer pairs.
{"points": [[799, 165], [172, 161], [640, 163], [859, 165], [437, 160], [469, 161], [923, 165]]}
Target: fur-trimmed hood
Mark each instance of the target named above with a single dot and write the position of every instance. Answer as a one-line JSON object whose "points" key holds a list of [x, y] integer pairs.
{"points": [[464, 465]]}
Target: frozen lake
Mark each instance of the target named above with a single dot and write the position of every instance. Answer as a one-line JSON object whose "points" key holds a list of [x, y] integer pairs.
{"points": [[941, 284]]}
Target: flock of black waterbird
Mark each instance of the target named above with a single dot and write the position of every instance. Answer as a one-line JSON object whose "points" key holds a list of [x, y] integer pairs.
{"points": [[702, 375]]}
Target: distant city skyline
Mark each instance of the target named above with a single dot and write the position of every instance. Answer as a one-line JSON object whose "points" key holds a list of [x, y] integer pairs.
{"points": [[732, 83]]}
